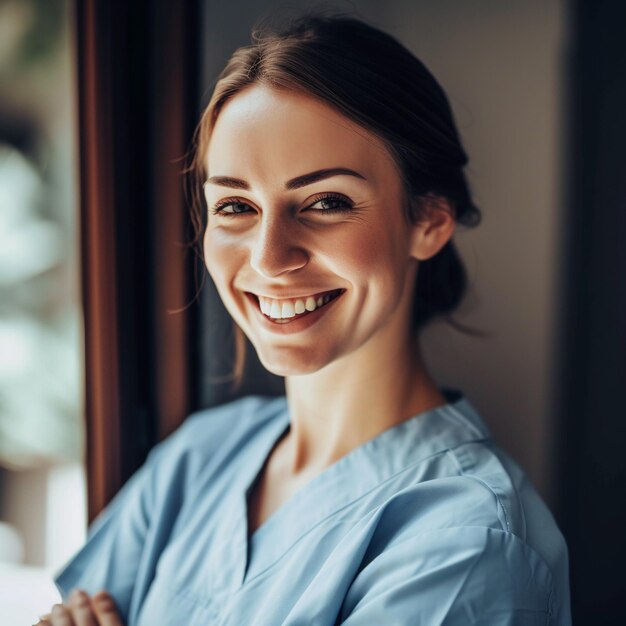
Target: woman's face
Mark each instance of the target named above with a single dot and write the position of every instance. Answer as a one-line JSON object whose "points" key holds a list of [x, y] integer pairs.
{"points": [[289, 235]]}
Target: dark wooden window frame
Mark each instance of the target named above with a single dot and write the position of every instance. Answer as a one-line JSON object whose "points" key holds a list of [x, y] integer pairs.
{"points": [[137, 75]]}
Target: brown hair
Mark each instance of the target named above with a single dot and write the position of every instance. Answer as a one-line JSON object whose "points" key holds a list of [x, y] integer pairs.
{"points": [[371, 78]]}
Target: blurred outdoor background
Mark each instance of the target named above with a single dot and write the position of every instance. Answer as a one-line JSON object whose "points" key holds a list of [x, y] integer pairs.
{"points": [[516, 73], [42, 502]]}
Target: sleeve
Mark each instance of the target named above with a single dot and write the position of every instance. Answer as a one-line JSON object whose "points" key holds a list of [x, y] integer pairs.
{"points": [[453, 577], [115, 550]]}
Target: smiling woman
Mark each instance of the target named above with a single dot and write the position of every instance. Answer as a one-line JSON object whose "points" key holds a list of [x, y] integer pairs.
{"points": [[280, 245], [331, 170]]}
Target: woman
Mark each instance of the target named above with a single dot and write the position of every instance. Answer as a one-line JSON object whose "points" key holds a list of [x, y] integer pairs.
{"points": [[332, 175]]}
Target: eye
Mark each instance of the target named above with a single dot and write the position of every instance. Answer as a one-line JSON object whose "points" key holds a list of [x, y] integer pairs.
{"points": [[332, 199], [236, 207], [229, 207]]}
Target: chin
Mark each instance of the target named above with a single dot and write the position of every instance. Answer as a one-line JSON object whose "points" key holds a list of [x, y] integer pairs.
{"points": [[290, 365]]}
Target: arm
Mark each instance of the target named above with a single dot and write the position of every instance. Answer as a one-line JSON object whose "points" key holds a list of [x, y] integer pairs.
{"points": [[116, 542]]}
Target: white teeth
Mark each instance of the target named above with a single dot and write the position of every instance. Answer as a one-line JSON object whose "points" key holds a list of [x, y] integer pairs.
{"points": [[281, 309], [288, 310]]}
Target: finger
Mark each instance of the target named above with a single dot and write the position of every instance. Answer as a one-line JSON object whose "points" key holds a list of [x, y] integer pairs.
{"points": [[43, 621], [80, 607], [106, 609], [60, 616]]}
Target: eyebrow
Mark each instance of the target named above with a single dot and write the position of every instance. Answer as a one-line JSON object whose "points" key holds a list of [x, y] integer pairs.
{"points": [[294, 183]]}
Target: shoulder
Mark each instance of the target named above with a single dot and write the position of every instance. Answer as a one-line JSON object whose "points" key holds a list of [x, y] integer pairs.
{"points": [[240, 411], [449, 471], [511, 504], [491, 490], [207, 442], [209, 438], [465, 522], [202, 443], [457, 575], [473, 485], [514, 507], [461, 549], [208, 430], [129, 535]]}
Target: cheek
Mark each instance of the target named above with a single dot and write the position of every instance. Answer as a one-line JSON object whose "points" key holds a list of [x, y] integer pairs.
{"points": [[374, 257], [222, 254]]}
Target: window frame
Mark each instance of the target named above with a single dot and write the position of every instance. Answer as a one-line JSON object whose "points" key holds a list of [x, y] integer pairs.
{"points": [[137, 102]]}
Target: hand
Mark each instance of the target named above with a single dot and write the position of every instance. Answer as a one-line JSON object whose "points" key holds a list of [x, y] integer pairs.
{"points": [[100, 610]]}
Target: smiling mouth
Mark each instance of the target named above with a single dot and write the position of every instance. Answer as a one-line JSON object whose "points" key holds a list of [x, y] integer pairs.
{"points": [[286, 311]]}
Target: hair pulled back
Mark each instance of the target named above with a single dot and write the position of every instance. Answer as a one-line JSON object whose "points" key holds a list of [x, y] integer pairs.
{"points": [[377, 83]]}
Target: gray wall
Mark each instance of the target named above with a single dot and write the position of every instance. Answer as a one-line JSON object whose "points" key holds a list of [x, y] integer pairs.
{"points": [[500, 61], [501, 65]]}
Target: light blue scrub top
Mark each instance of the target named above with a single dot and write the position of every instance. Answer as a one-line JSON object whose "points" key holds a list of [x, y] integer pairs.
{"points": [[428, 523]]}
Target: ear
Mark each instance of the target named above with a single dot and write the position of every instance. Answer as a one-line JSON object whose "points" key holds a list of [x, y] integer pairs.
{"points": [[435, 228]]}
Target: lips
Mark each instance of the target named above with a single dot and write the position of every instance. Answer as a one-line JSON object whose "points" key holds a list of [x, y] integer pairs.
{"points": [[298, 297], [287, 308], [299, 322]]}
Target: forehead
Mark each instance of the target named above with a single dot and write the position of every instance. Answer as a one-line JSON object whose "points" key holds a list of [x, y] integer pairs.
{"points": [[270, 135]]}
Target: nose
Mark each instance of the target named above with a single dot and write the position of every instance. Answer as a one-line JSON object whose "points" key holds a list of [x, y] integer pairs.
{"points": [[275, 248]]}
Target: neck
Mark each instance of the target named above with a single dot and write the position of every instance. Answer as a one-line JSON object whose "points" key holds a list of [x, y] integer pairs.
{"points": [[353, 399]]}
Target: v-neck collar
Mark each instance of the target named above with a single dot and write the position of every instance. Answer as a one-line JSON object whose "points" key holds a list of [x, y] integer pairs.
{"points": [[413, 440]]}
